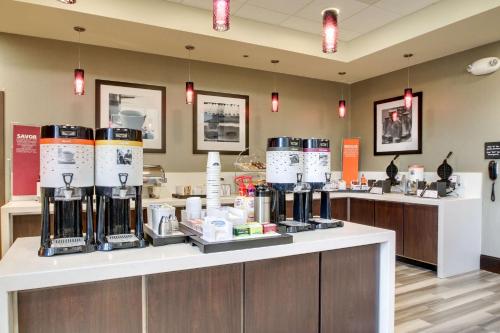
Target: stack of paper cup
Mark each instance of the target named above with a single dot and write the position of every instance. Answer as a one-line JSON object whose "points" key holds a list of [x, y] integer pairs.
{"points": [[213, 180]]}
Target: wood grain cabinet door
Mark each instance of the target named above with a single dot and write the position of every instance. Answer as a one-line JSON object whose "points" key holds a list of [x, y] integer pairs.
{"points": [[389, 215], [421, 232], [105, 306], [282, 295], [204, 300], [349, 290], [362, 211], [339, 208]]}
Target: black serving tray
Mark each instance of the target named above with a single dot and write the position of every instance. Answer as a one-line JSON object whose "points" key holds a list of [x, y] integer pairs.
{"points": [[186, 196], [157, 240], [240, 243]]}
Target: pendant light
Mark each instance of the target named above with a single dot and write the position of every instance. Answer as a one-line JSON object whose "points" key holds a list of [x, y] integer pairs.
{"points": [[408, 93], [275, 102], [189, 83], [330, 29], [221, 15], [342, 103], [79, 80]]}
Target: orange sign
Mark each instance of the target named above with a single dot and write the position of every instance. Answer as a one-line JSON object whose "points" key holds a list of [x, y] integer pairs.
{"points": [[350, 160]]}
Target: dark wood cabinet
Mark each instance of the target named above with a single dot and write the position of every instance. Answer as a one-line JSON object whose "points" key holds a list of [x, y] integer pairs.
{"points": [[282, 295], [362, 211], [339, 208], [105, 306], [316, 207], [205, 300], [349, 290], [421, 232], [390, 215]]}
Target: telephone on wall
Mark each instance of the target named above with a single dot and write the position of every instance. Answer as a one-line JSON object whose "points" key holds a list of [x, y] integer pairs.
{"points": [[493, 173]]}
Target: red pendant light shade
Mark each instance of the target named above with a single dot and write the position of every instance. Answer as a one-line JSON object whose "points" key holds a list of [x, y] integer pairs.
{"points": [[408, 97], [221, 15], [189, 92], [342, 108], [275, 102], [330, 30], [79, 83]]}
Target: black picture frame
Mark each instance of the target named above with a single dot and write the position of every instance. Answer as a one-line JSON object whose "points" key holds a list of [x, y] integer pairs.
{"points": [[378, 105], [198, 150], [163, 112]]}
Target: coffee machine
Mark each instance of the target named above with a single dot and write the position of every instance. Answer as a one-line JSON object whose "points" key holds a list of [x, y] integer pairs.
{"points": [[284, 159], [67, 181], [118, 180], [317, 173]]}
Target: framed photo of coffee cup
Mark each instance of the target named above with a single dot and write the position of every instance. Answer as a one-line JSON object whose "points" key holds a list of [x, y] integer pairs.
{"points": [[136, 106], [220, 123], [396, 129]]}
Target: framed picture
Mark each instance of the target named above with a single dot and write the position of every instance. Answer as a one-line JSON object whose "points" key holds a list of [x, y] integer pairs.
{"points": [[397, 130], [136, 106], [220, 123]]}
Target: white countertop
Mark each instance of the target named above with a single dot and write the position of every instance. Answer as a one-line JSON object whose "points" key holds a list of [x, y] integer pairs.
{"points": [[21, 268], [34, 207]]}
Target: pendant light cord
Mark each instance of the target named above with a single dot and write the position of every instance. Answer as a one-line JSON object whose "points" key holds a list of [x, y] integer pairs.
{"points": [[79, 46], [189, 65], [274, 79], [408, 86]]}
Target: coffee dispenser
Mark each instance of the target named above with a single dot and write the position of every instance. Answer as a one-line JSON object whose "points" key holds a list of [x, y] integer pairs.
{"points": [[67, 181], [317, 159], [317, 173], [118, 180], [284, 159]]}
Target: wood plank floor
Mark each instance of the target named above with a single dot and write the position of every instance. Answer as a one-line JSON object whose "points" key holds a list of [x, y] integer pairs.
{"points": [[469, 303]]}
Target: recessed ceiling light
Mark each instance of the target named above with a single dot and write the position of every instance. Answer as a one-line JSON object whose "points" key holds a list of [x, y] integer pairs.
{"points": [[68, 2]]}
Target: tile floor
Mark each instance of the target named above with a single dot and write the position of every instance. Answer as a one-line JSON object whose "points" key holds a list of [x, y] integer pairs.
{"points": [[469, 303]]}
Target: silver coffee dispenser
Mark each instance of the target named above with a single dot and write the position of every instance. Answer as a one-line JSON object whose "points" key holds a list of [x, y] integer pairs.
{"points": [[67, 181], [262, 204]]}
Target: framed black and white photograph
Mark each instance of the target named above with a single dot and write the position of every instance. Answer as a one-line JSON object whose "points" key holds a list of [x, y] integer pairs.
{"points": [[220, 123], [397, 130], [135, 106]]}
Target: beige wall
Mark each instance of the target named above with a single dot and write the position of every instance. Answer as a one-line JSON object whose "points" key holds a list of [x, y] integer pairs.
{"points": [[36, 75], [460, 113]]}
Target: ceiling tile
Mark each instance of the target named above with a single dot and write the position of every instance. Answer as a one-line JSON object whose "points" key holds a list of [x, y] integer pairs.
{"points": [[282, 6], [404, 7], [347, 8], [347, 35], [368, 19], [369, 2], [208, 4], [301, 24], [260, 14]]}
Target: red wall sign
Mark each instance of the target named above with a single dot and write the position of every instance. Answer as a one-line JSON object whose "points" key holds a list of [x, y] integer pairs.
{"points": [[25, 159]]}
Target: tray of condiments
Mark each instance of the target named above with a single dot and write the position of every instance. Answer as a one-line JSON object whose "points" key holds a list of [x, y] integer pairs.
{"points": [[245, 236]]}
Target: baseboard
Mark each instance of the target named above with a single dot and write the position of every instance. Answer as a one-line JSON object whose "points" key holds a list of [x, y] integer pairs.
{"points": [[414, 262], [490, 264]]}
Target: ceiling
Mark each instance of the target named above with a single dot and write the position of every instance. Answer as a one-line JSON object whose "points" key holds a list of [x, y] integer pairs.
{"points": [[375, 33], [357, 17]]}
